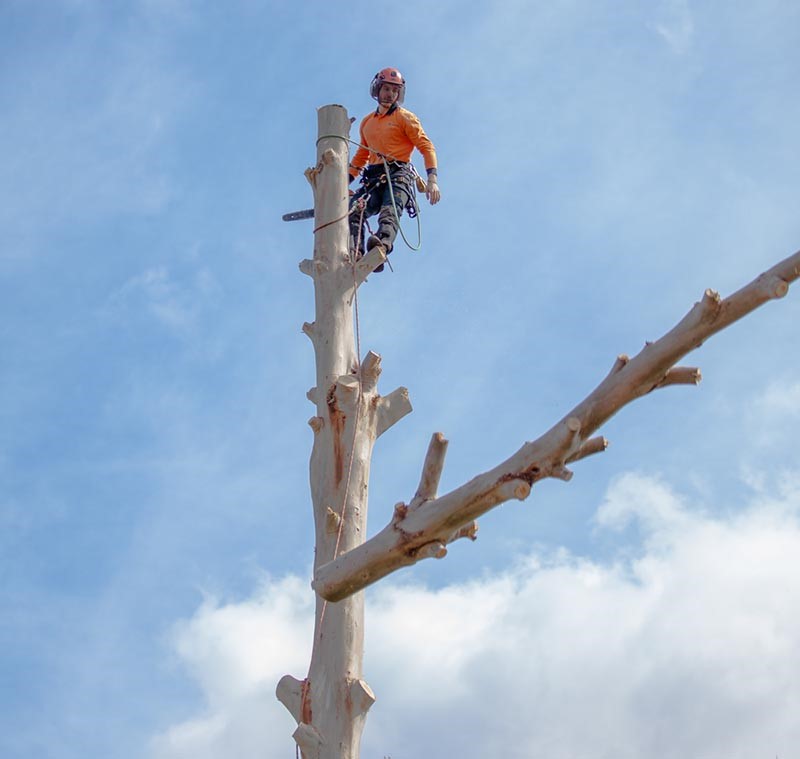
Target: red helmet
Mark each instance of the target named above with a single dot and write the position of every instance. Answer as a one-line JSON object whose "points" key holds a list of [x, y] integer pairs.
{"points": [[388, 76]]}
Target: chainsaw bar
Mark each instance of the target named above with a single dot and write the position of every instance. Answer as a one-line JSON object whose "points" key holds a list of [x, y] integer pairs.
{"points": [[296, 215]]}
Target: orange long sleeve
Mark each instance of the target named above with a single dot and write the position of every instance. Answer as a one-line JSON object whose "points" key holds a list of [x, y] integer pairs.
{"points": [[393, 135]]}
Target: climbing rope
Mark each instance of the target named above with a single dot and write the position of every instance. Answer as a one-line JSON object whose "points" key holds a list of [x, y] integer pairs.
{"points": [[391, 192], [360, 206], [328, 223], [306, 689], [397, 215]]}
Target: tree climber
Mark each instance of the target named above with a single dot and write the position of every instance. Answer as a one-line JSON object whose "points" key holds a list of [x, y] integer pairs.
{"points": [[390, 134]]}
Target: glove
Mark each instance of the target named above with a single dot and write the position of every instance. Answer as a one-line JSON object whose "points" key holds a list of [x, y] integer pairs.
{"points": [[433, 192]]}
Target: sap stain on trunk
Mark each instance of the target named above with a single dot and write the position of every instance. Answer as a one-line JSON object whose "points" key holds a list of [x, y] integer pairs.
{"points": [[338, 420]]}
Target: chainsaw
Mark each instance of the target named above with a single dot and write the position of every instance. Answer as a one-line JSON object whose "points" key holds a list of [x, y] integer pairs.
{"points": [[308, 213], [297, 215]]}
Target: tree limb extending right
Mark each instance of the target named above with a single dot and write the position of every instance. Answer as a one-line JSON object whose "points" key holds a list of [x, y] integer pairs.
{"points": [[425, 526]]}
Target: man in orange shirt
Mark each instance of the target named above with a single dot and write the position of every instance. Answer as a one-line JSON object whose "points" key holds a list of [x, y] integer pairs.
{"points": [[387, 137]]}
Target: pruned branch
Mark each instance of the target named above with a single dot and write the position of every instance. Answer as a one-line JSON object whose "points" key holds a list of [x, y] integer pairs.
{"points": [[361, 697], [425, 530], [309, 740], [290, 693], [468, 531], [589, 448], [370, 371], [392, 408], [366, 265], [431, 470], [681, 375]]}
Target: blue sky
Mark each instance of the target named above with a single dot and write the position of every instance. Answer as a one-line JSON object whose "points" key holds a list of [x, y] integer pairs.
{"points": [[601, 164]]}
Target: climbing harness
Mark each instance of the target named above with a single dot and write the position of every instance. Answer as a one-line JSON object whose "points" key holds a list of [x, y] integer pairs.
{"points": [[412, 199], [412, 206]]}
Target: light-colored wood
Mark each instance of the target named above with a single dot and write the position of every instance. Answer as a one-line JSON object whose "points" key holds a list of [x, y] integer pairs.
{"points": [[431, 470], [409, 536], [290, 694], [330, 704]]}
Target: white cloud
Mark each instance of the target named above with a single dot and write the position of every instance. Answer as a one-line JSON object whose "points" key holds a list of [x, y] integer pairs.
{"points": [[781, 399], [218, 634], [687, 650], [174, 304], [637, 498], [676, 25], [771, 420], [237, 653]]}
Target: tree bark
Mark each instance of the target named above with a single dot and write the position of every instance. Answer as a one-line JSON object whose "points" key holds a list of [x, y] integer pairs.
{"points": [[331, 703]]}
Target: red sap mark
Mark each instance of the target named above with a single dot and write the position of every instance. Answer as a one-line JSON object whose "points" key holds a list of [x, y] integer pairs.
{"points": [[305, 702], [338, 419]]}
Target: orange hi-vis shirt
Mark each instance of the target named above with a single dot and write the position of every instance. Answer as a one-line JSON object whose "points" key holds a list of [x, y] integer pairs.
{"points": [[394, 135]]}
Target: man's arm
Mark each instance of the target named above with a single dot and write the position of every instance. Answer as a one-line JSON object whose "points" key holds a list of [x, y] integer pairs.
{"points": [[421, 141], [361, 155]]}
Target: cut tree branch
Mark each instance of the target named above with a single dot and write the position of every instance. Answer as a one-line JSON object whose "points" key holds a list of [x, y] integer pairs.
{"points": [[431, 470], [425, 530], [391, 409], [366, 265], [290, 694]]}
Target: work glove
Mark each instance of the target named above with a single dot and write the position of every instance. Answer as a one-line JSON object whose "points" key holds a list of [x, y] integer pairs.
{"points": [[433, 192]]}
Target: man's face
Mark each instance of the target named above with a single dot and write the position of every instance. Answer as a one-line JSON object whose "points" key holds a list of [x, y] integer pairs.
{"points": [[388, 93]]}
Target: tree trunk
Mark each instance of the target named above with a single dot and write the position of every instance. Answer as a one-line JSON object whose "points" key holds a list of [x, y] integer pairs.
{"points": [[331, 703]]}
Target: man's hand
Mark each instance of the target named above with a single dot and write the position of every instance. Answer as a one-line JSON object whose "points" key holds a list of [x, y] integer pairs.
{"points": [[433, 192]]}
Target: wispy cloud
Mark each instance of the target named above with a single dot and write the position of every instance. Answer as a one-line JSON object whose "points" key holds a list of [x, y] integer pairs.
{"points": [[772, 416], [781, 399], [675, 25], [686, 650], [174, 304], [237, 652], [652, 505]]}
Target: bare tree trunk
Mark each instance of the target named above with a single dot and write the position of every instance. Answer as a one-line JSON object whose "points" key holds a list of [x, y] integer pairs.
{"points": [[330, 705]]}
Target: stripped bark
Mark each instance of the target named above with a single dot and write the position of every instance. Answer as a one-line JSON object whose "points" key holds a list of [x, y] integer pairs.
{"points": [[331, 702], [425, 527]]}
